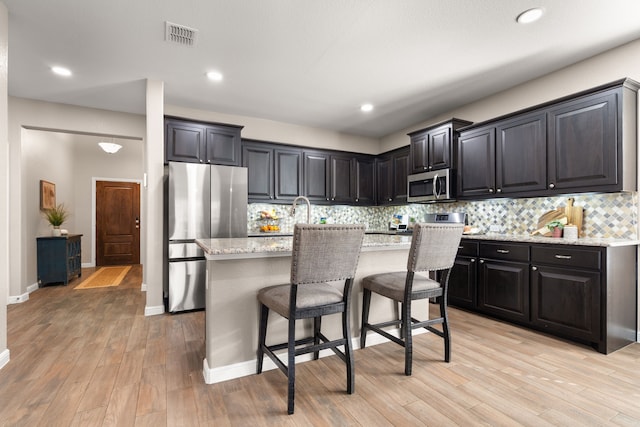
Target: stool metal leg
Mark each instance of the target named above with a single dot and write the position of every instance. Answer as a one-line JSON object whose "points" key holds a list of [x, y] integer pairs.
{"points": [[366, 302], [262, 335]]}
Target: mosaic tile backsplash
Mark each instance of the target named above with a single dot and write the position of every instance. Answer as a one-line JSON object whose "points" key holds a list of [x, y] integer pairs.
{"points": [[611, 215]]}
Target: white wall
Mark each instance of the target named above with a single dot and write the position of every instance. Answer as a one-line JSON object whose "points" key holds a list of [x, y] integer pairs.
{"points": [[4, 185], [607, 67]]}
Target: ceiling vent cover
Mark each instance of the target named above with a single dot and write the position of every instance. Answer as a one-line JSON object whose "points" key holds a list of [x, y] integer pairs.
{"points": [[180, 34]]}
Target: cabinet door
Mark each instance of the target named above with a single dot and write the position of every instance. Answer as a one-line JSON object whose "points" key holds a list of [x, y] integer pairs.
{"points": [[521, 154], [184, 142], [566, 301], [504, 289], [583, 140], [365, 185], [400, 173], [476, 163], [419, 152], [222, 145], [439, 148], [384, 180], [462, 283], [316, 176], [258, 159], [288, 171], [342, 179]]}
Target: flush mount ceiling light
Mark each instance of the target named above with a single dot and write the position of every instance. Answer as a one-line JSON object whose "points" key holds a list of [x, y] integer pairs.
{"points": [[215, 76], [110, 147], [61, 71], [529, 16], [365, 108]]}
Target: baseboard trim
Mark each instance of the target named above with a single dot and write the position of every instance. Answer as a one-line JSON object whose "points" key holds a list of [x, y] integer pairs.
{"points": [[243, 369], [143, 287], [33, 288], [4, 358], [88, 264], [18, 299], [154, 311]]}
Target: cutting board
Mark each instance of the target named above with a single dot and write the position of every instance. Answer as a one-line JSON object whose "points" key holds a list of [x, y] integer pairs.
{"points": [[574, 214], [547, 217]]}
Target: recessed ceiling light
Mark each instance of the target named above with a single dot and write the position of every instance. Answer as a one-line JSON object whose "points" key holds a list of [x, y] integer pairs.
{"points": [[61, 71], [216, 76], [529, 16], [110, 147], [365, 108]]}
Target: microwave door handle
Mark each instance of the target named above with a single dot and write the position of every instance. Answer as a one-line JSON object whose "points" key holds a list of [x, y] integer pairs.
{"points": [[436, 193]]}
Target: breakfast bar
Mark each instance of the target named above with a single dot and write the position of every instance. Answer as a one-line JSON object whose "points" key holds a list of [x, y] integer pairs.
{"points": [[238, 267]]}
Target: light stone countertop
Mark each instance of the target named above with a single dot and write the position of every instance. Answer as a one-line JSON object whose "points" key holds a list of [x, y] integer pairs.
{"points": [[263, 247]]}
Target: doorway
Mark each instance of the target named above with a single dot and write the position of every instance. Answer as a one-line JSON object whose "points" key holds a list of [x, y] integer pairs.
{"points": [[117, 223]]}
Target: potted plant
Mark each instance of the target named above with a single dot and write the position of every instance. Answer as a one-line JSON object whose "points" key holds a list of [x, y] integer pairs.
{"points": [[56, 217], [556, 228]]}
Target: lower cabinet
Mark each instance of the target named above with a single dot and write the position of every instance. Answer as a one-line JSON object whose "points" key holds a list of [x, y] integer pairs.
{"points": [[585, 294], [59, 258]]}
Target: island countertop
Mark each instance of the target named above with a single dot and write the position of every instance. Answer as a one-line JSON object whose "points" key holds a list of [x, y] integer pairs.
{"points": [[260, 247]]}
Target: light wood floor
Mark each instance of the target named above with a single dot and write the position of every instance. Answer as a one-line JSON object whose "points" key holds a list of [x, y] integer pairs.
{"points": [[91, 357]]}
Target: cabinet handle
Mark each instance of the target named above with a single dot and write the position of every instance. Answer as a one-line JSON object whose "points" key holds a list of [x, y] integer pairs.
{"points": [[491, 190], [499, 190], [552, 185], [460, 247], [473, 260], [563, 256], [502, 251], [481, 261], [389, 199], [356, 200], [534, 268]]}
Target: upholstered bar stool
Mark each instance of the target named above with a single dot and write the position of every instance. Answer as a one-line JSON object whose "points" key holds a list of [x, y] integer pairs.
{"points": [[433, 249], [320, 254]]}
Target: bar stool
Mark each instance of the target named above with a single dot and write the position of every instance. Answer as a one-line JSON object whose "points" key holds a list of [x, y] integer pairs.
{"points": [[433, 249], [320, 254]]}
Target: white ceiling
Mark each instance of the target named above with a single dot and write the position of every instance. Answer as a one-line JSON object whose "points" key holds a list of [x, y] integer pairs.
{"points": [[308, 62]]}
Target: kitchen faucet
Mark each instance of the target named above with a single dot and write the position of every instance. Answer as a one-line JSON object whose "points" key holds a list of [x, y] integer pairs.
{"points": [[292, 212]]}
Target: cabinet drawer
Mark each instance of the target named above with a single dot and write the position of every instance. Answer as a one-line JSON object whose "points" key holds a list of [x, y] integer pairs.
{"points": [[567, 257], [505, 251], [468, 248]]}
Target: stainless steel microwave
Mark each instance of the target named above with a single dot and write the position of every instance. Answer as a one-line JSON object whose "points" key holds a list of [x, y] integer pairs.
{"points": [[433, 186]]}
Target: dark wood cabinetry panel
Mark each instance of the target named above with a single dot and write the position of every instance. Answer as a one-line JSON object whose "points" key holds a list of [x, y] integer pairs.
{"points": [[521, 154], [400, 174], [222, 145], [288, 174], [342, 177], [476, 163], [365, 184], [195, 142], [316, 176], [392, 169], [462, 282], [419, 152], [384, 180], [184, 141], [504, 289], [439, 148], [582, 136], [433, 148], [258, 159]]}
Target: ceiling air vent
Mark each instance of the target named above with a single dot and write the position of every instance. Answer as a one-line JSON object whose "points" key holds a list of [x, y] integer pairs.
{"points": [[180, 34]]}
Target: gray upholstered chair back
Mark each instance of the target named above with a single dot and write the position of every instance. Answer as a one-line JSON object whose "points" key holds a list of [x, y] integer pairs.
{"points": [[325, 252], [434, 246]]}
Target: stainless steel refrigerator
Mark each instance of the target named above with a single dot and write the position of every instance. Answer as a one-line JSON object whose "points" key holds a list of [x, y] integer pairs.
{"points": [[202, 201]]}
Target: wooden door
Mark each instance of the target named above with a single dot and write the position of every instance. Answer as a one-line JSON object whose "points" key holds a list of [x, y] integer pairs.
{"points": [[117, 223]]}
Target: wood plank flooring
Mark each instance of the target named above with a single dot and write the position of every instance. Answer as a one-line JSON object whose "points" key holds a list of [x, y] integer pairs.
{"points": [[91, 358]]}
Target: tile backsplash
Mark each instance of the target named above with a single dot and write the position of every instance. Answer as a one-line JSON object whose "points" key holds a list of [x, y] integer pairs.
{"points": [[607, 215]]}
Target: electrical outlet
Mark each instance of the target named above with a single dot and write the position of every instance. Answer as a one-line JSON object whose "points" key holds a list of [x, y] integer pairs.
{"points": [[494, 228]]}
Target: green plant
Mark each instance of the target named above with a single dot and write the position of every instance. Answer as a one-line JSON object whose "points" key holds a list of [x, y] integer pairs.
{"points": [[555, 224], [57, 216]]}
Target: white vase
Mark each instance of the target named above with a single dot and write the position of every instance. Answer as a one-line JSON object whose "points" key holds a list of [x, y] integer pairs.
{"points": [[56, 231]]}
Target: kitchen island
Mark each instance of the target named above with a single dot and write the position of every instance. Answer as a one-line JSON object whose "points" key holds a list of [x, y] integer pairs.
{"points": [[238, 268]]}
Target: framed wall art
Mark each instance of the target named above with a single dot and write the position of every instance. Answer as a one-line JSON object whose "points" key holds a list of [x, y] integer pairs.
{"points": [[47, 195]]}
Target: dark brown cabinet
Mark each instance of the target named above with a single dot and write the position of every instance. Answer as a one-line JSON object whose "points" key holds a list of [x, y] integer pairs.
{"points": [[463, 279], [365, 183], [274, 172], [342, 176], [503, 285], [583, 293], [582, 143], [432, 148], [392, 169], [316, 176], [194, 142]]}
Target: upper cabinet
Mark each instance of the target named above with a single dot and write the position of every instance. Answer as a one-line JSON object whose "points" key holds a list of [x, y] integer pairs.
{"points": [[433, 147], [392, 169], [581, 143], [195, 142]]}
